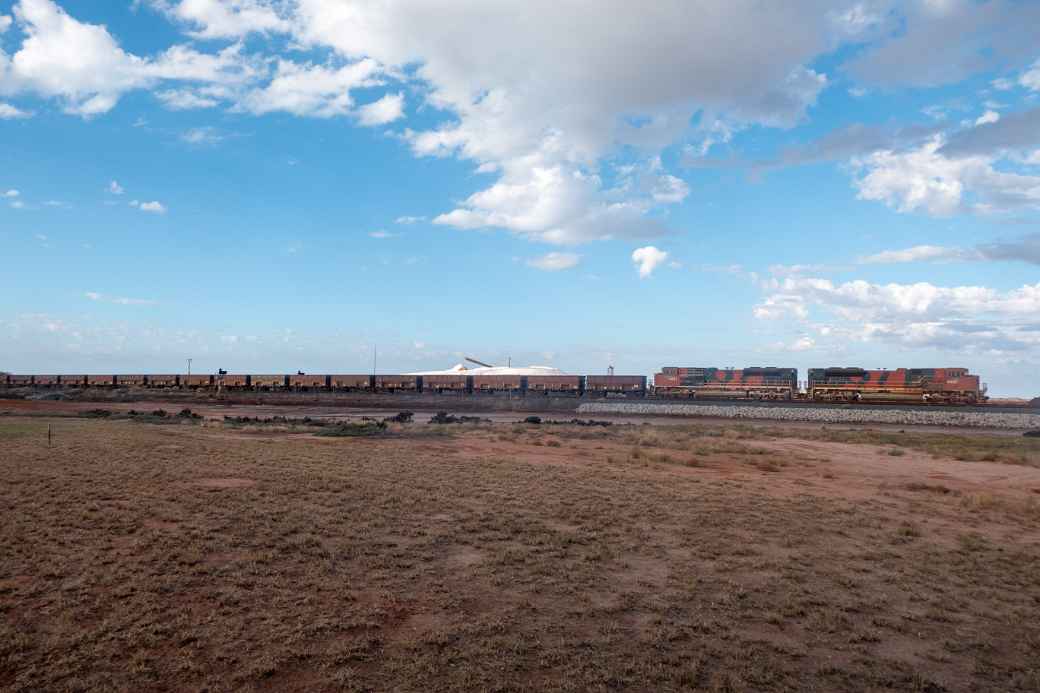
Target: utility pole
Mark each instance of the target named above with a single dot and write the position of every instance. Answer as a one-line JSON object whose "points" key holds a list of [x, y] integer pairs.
{"points": [[189, 368], [375, 356]]}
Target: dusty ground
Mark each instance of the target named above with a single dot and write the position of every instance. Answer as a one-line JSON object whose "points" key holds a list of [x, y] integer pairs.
{"points": [[206, 557]]}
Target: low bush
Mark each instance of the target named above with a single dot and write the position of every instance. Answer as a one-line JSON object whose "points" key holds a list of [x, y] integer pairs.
{"points": [[354, 430]]}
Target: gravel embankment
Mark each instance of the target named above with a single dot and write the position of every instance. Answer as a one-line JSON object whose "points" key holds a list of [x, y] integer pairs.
{"points": [[967, 419]]}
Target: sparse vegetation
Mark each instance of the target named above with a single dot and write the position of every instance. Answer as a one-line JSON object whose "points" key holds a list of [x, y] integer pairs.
{"points": [[224, 560], [354, 430]]}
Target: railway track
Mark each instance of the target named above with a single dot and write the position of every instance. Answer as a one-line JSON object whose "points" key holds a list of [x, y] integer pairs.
{"points": [[978, 408]]}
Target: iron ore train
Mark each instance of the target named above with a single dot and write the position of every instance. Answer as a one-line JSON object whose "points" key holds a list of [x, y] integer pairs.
{"points": [[832, 385], [836, 385]]}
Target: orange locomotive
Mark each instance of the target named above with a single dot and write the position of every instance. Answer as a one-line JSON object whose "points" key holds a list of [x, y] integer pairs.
{"points": [[729, 383], [920, 385]]}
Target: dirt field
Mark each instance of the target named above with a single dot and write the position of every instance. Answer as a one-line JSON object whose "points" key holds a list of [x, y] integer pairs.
{"points": [[202, 556]]}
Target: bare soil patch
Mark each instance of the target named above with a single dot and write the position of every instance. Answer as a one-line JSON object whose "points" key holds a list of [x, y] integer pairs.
{"points": [[507, 557]]}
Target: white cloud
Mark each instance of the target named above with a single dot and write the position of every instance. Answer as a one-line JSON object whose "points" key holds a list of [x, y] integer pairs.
{"points": [[202, 136], [962, 318], [803, 343], [9, 112], [151, 207], [83, 65], [185, 100], [12, 193], [924, 179], [1031, 78], [225, 18], [17, 204], [381, 234], [118, 300], [1025, 249], [115, 188], [385, 110], [543, 120], [554, 262], [987, 117], [311, 90], [5, 23], [409, 220], [647, 259], [670, 189], [918, 253], [1003, 84]]}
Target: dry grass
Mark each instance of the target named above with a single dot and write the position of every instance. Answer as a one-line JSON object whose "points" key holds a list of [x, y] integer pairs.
{"points": [[139, 557]]}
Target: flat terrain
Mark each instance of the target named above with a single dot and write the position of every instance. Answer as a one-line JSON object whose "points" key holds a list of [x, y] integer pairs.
{"points": [[206, 556]]}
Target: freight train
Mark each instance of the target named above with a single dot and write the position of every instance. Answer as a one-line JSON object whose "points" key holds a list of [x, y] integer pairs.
{"points": [[573, 385], [830, 385]]}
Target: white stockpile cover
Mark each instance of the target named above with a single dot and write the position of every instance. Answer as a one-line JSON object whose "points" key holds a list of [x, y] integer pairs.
{"points": [[459, 369]]}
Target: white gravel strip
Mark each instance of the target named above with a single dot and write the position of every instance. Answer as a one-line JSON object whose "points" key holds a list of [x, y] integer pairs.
{"points": [[966, 419]]}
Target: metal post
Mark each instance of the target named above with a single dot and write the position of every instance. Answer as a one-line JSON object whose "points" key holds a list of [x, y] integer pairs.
{"points": [[48, 435], [189, 368]]}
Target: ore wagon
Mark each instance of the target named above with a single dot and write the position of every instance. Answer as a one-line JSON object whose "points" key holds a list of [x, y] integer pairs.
{"points": [[445, 383], [101, 381], [131, 380], [351, 382], [308, 382], [615, 384], [554, 384], [195, 382], [73, 380], [163, 380], [497, 383], [396, 383], [268, 382], [237, 381]]}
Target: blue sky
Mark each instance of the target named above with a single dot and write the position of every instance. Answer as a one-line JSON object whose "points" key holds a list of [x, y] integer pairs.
{"points": [[273, 185]]}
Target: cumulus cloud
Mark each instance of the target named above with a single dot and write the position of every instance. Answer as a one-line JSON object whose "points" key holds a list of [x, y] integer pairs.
{"points": [[1030, 79], [385, 110], [803, 343], [11, 193], [987, 117], [554, 262], [9, 112], [185, 100], [83, 65], [115, 188], [150, 207], [647, 259], [311, 90], [917, 315], [213, 19], [538, 135], [925, 179]]}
